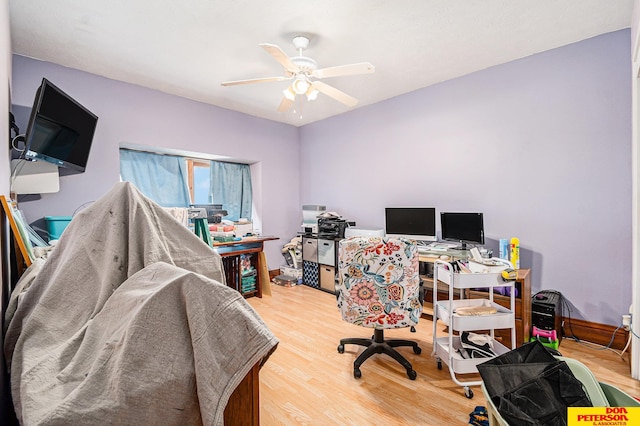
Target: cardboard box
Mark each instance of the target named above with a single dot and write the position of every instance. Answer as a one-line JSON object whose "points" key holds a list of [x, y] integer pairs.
{"points": [[243, 228]]}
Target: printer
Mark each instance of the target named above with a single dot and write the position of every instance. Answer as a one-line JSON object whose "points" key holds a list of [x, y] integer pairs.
{"points": [[332, 227]]}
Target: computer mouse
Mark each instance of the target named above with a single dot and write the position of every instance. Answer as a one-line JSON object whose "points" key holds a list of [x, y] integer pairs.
{"points": [[445, 257]]}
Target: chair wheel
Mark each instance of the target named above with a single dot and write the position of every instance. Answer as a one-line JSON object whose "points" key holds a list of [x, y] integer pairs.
{"points": [[439, 365], [412, 329], [341, 348], [412, 374], [357, 373], [417, 350], [468, 392]]}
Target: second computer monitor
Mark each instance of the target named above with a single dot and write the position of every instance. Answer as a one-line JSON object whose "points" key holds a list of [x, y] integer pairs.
{"points": [[464, 228]]}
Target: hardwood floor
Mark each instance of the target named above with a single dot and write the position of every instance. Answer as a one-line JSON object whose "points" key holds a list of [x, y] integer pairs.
{"points": [[307, 382]]}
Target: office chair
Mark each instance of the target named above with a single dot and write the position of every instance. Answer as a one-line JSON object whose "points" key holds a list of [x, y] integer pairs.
{"points": [[378, 287]]}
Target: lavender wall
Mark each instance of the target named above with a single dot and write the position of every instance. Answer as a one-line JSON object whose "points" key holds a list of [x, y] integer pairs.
{"points": [[541, 146], [5, 77], [136, 115]]}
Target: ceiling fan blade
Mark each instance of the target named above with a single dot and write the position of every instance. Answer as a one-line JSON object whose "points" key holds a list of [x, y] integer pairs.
{"points": [[336, 94], [352, 69], [281, 57], [254, 80], [285, 104]]}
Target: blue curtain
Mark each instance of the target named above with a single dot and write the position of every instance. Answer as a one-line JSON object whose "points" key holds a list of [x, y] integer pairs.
{"points": [[163, 178], [231, 187]]}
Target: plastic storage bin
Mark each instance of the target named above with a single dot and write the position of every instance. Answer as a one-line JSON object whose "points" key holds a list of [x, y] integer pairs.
{"points": [[56, 224]]}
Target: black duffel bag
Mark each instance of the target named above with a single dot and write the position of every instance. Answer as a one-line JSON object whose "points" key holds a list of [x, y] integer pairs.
{"points": [[529, 386]]}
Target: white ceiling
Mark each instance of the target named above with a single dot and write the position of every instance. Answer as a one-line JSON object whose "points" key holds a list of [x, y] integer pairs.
{"points": [[189, 47]]}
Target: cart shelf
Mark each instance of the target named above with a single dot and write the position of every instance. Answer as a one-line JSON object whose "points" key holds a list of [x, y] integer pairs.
{"points": [[503, 318], [461, 365], [445, 348]]}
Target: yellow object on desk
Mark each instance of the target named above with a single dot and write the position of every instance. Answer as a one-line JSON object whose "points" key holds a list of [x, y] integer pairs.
{"points": [[515, 252], [509, 274]]}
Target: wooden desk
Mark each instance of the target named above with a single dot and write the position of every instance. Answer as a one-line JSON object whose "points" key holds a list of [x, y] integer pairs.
{"points": [[427, 280], [243, 259]]}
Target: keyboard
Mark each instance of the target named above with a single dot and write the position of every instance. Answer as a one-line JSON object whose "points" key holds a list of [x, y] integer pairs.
{"points": [[439, 246], [426, 252]]}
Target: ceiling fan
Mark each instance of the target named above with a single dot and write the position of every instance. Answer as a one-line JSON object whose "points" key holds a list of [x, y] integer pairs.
{"points": [[304, 72]]}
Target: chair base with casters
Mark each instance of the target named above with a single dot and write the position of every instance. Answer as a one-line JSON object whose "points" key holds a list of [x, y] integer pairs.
{"points": [[378, 345]]}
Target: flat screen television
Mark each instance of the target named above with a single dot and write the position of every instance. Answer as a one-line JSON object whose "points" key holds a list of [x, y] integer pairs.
{"points": [[415, 223], [465, 228], [60, 130]]}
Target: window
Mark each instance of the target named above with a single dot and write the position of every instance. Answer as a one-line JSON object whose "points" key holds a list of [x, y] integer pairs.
{"points": [[160, 177], [177, 181], [199, 176]]}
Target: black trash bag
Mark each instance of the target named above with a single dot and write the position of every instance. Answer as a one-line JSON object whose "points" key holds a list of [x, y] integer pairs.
{"points": [[529, 386]]}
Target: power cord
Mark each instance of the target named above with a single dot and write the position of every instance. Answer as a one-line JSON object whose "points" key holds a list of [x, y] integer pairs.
{"points": [[19, 164], [81, 207], [13, 143], [574, 337]]}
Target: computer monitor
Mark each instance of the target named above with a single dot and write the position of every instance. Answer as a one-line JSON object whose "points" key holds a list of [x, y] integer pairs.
{"points": [[414, 223], [465, 228]]}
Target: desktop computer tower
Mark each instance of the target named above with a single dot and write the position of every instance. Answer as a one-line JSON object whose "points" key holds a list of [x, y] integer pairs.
{"points": [[546, 312]]}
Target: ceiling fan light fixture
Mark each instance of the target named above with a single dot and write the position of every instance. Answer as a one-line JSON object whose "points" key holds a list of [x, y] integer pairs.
{"points": [[312, 94], [288, 93], [300, 85], [300, 70]]}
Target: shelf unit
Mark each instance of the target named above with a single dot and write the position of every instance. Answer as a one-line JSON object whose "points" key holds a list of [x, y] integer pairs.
{"points": [[241, 267], [445, 347], [522, 299], [319, 260]]}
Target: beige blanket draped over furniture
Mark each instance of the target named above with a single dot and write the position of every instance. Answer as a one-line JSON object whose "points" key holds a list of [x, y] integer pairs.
{"points": [[129, 321]]}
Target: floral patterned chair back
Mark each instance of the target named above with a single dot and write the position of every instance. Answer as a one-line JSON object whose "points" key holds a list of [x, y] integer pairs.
{"points": [[379, 282]]}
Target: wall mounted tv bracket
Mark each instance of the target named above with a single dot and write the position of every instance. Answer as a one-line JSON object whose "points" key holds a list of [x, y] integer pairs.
{"points": [[13, 126]]}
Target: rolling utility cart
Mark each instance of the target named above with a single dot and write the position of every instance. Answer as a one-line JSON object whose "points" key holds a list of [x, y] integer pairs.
{"points": [[462, 316]]}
